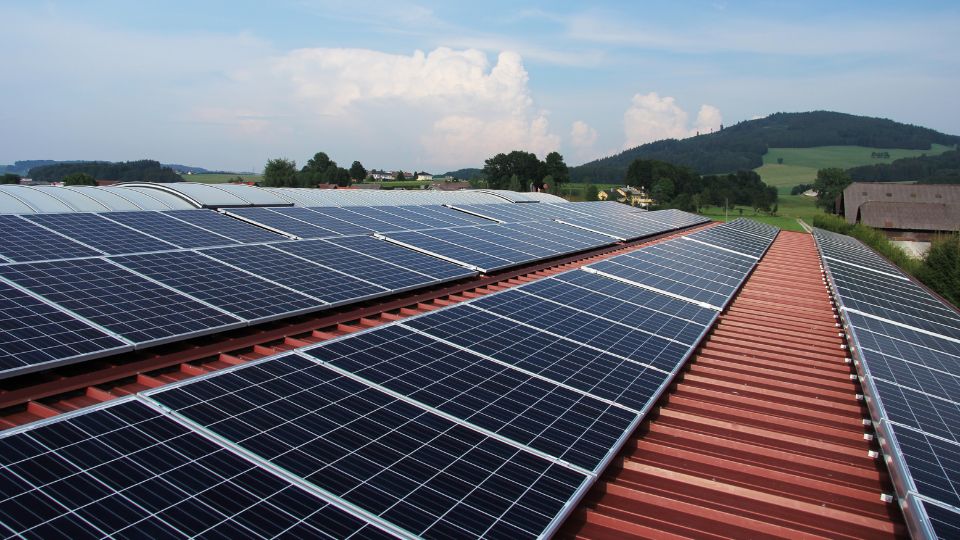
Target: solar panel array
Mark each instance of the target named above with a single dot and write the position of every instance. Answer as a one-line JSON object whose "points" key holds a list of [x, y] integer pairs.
{"points": [[906, 346], [491, 418]]}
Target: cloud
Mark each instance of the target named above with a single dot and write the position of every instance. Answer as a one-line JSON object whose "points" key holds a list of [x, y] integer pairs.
{"points": [[582, 136], [466, 108], [652, 118]]}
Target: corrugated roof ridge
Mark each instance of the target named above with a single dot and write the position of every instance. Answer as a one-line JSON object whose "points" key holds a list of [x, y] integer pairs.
{"points": [[763, 436]]}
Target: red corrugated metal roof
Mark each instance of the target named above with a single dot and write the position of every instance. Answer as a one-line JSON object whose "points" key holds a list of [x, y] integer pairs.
{"points": [[764, 435]]}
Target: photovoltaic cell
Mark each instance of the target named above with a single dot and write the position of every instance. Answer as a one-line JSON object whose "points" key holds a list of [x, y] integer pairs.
{"points": [[35, 335], [129, 471], [236, 292], [354, 263], [732, 239], [119, 300], [358, 221], [945, 522], [25, 241], [240, 231], [933, 464], [932, 415], [614, 309], [411, 467], [633, 343], [317, 218], [169, 229], [280, 222], [310, 278], [99, 233], [409, 259], [574, 427], [451, 250], [561, 360]]}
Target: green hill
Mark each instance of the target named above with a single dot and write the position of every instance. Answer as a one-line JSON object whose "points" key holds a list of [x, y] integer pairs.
{"points": [[743, 146]]}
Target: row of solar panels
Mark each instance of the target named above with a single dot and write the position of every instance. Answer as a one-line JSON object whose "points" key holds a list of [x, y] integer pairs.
{"points": [[68, 303], [906, 345], [491, 418]]}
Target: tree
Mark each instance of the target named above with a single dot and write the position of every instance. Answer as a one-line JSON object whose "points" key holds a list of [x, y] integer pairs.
{"points": [[662, 191], [516, 184], [280, 172], [590, 193], [400, 177], [357, 172], [554, 166], [338, 176], [829, 186], [10, 178], [500, 169], [79, 179], [941, 268]]}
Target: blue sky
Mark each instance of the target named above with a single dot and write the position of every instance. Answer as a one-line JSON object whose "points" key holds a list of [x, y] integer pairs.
{"points": [[439, 86]]}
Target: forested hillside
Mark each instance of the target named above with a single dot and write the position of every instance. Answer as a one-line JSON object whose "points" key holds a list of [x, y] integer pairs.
{"points": [[145, 170], [742, 146], [941, 169]]}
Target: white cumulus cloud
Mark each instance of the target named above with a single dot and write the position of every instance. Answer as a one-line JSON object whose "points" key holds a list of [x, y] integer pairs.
{"points": [[651, 118], [582, 136]]}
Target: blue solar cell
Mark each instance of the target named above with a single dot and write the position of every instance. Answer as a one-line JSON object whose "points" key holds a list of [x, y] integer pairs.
{"points": [[933, 464], [392, 222], [35, 335], [411, 467], [354, 263], [633, 343], [240, 231], [407, 258], [568, 425], [663, 280], [360, 221], [119, 300], [129, 471], [945, 522], [456, 252], [732, 239], [661, 323], [99, 233], [283, 223], [25, 241], [310, 278], [169, 229], [936, 416], [314, 216], [234, 291], [564, 361]]}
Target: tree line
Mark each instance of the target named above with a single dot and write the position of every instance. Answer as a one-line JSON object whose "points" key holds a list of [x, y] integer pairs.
{"points": [[940, 169], [521, 171], [144, 170], [320, 169]]}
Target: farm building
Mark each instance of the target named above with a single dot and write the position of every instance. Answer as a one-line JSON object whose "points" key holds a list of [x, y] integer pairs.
{"points": [[919, 208], [188, 360]]}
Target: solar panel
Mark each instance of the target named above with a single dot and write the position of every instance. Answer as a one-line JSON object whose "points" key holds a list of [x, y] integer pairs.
{"points": [[119, 300], [360, 221], [762, 230], [99, 233], [665, 280], [169, 229], [906, 344], [409, 259], [560, 359], [533, 412], [622, 226], [577, 239], [25, 241], [392, 222], [355, 263], [449, 250], [731, 239], [232, 290], [448, 216], [638, 296], [307, 277], [893, 299], [637, 344], [676, 219], [663, 324], [128, 471], [266, 217], [236, 229], [410, 467], [35, 335], [514, 213], [314, 216]]}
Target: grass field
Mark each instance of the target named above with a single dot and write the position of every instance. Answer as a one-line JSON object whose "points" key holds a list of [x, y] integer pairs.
{"points": [[218, 178], [790, 207], [800, 164]]}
